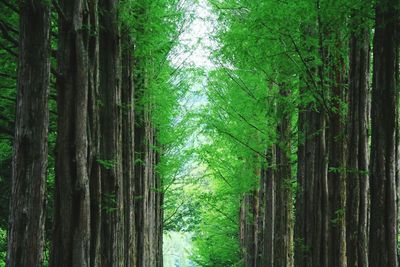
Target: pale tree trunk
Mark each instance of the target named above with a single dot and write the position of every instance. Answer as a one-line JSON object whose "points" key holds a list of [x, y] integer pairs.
{"points": [[26, 232], [94, 141], [357, 149], [71, 233], [383, 228], [128, 126]]}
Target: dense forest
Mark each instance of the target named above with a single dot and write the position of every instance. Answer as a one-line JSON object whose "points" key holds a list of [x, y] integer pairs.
{"points": [[264, 132]]}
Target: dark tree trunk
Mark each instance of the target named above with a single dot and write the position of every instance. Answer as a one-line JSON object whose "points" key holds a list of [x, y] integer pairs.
{"points": [[112, 187], [268, 209], [71, 233], [312, 211], [248, 235], [398, 139], [337, 163], [148, 186], [300, 250], [383, 229], [357, 149], [26, 233], [312, 216], [283, 240]]}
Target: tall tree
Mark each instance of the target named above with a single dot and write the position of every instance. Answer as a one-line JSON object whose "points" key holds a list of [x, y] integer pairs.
{"points": [[112, 219], [29, 167], [128, 129], [71, 230], [383, 228], [357, 146], [283, 247], [94, 137]]}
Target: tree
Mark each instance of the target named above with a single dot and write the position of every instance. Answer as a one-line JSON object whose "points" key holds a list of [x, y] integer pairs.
{"points": [[29, 166], [357, 147], [71, 230], [383, 228]]}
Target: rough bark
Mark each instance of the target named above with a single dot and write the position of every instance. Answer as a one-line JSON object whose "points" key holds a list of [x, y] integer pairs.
{"points": [[311, 234], [29, 166], [112, 187], [71, 232], [248, 221], [357, 149], [283, 240], [312, 213], [268, 209], [337, 164], [94, 138], [148, 187], [383, 229], [128, 125]]}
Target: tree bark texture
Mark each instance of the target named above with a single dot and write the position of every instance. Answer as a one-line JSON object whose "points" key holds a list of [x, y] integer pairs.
{"points": [[148, 187], [248, 234], [312, 216], [71, 232], [357, 150], [383, 228], [283, 240], [112, 186], [128, 148], [337, 164], [94, 138], [29, 165]]}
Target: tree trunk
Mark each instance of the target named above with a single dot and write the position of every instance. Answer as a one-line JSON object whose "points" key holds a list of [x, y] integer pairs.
{"points": [[94, 141], [337, 163], [112, 219], [357, 149], [267, 206], [29, 168], [148, 185], [128, 126], [248, 231], [283, 240], [383, 229], [312, 216], [71, 233]]}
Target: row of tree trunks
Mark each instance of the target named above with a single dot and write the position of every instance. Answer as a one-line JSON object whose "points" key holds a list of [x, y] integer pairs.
{"points": [[266, 215], [26, 232], [107, 209]]}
